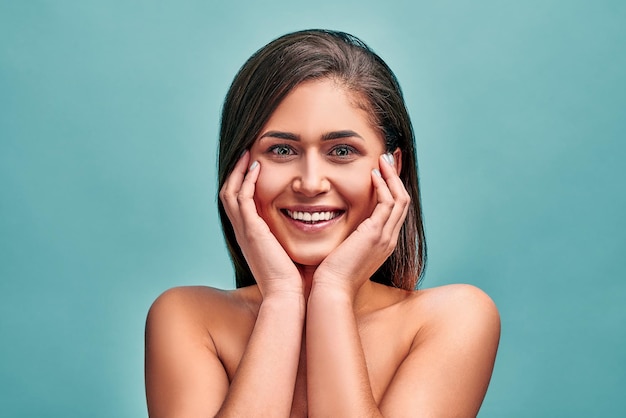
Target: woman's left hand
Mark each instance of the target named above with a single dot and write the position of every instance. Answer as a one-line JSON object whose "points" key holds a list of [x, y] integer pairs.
{"points": [[354, 261]]}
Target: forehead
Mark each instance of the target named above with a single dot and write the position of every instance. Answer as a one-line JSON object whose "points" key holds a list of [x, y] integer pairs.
{"points": [[324, 104]]}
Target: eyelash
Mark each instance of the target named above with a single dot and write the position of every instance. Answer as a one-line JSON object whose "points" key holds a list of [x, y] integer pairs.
{"points": [[275, 150], [350, 151]]}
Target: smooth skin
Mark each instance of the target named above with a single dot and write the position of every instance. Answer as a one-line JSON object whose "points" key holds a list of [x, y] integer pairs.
{"points": [[315, 337]]}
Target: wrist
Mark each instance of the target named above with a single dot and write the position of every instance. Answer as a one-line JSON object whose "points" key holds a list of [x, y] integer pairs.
{"points": [[285, 301], [332, 291], [283, 288]]}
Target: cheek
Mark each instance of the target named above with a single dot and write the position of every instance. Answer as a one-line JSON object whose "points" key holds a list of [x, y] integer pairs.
{"points": [[359, 191], [267, 188]]}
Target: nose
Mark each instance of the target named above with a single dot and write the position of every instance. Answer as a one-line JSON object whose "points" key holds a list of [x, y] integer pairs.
{"points": [[312, 178]]}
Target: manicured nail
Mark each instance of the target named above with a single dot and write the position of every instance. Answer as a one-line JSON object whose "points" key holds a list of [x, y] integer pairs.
{"points": [[377, 172], [389, 158], [253, 165]]}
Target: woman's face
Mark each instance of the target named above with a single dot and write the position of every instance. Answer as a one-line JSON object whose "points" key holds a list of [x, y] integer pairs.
{"points": [[316, 152]]}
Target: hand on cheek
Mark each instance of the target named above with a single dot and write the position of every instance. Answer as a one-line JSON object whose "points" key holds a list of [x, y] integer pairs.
{"points": [[366, 249], [272, 268]]}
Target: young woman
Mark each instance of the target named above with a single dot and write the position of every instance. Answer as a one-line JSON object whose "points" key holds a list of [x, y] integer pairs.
{"points": [[320, 208]]}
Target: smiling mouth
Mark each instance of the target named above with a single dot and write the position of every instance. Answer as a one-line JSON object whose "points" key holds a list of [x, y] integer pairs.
{"points": [[312, 217]]}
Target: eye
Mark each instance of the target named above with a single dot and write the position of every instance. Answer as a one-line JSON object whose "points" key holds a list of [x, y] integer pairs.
{"points": [[342, 151], [281, 150]]}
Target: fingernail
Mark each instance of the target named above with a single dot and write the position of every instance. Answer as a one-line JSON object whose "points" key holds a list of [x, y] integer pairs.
{"points": [[253, 165], [389, 158], [377, 172]]}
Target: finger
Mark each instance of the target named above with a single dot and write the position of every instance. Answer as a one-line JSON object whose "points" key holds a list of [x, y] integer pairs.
{"points": [[390, 175], [400, 196], [385, 203], [235, 178], [398, 191], [232, 185], [245, 197]]}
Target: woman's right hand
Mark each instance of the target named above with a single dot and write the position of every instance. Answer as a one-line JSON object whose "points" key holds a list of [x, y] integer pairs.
{"points": [[271, 267]]}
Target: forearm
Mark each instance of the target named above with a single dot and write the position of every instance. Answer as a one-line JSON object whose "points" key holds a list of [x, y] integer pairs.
{"points": [[265, 379], [337, 377]]}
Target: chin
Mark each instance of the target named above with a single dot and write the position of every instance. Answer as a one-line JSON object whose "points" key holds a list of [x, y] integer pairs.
{"points": [[308, 258]]}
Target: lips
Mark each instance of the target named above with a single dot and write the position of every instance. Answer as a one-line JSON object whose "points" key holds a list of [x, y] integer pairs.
{"points": [[312, 216]]}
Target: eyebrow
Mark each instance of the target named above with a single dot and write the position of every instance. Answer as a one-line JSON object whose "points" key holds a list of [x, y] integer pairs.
{"points": [[326, 137], [340, 134], [280, 135]]}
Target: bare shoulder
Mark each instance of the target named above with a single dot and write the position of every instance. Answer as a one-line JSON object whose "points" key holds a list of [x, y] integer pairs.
{"points": [[449, 365], [451, 303], [185, 300], [202, 304], [200, 315], [187, 329], [459, 311]]}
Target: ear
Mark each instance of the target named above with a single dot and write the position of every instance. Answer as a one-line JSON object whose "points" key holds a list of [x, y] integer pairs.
{"points": [[397, 157]]}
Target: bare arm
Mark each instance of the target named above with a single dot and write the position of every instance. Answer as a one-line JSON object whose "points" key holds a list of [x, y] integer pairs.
{"points": [[338, 382], [184, 377], [445, 374], [184, 374], [265, 379], [448, 368]]}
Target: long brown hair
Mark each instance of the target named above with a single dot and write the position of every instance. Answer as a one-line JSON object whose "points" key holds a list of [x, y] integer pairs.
{"points": [[264, 81]]}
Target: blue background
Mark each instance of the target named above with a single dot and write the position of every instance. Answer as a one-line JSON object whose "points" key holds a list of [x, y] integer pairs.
{"points": [[109, 116]]}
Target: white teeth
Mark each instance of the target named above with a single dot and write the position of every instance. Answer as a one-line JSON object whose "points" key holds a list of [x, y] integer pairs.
{"points": [[312, 216]]}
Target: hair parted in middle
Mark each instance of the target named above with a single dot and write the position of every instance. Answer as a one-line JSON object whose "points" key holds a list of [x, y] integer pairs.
{"points": [[272, 73]]}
